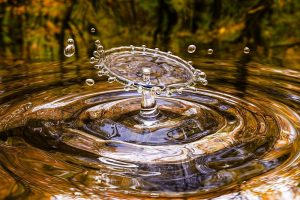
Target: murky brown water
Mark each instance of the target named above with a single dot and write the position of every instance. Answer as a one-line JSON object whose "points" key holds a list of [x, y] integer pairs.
{"points": [[53, 144]]}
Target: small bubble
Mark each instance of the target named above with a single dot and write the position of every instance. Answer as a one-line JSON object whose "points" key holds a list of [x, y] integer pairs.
{"points": [[90, 82], [70, 48], [97, 43], [93, 30], [246, 50], [111, 79], [191, 48], [210, 51]]}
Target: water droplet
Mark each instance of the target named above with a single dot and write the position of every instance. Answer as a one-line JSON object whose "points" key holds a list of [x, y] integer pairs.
{"points": [[127, 87], [90, 82], [70, 48], [179, 90], [246, 50], [111, 79], [144, 48], [102, 72], [97, 43], [191, 48], [210, 51], [92, 60], [132, 49], [96, 54], [169, 52], [140, 89], [93, 30], [204, 82], [190, 62], [100, 48], [168, 93]]}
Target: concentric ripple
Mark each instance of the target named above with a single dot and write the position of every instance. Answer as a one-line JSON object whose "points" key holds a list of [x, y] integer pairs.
{"points": [[91, 144]]}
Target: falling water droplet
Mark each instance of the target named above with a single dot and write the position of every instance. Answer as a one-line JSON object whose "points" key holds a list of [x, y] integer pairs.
{"points": [[246, 50], [191, 48], [93, 30], [97, 43], [210, 51], [111, 79], [70, 48], [90, 82]]}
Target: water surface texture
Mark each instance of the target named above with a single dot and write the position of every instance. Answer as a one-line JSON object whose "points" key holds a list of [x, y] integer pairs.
{"points": [[66, 133], [244, 143]]}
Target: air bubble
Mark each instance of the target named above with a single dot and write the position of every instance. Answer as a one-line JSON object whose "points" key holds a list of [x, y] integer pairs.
{"points": [[93, 30], [90, 82], [210, 51], [246, 50], [191, 48], [70, 48]]}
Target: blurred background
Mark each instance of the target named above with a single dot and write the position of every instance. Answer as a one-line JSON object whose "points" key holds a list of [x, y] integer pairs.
{"points": [[39, 29]]}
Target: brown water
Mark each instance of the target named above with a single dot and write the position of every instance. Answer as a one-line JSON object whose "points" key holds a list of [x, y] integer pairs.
{"points": [[245, 143]]}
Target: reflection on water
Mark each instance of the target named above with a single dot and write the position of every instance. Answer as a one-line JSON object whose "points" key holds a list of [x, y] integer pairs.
{"points": [[244, 144]]}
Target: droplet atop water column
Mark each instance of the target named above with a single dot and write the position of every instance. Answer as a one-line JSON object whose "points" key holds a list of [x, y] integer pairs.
{"points": [[70, 48]]}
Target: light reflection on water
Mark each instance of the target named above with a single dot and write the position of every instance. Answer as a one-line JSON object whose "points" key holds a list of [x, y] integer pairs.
{"points": [[46, 152]]}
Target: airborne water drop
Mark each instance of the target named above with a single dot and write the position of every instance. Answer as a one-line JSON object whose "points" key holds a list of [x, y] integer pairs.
{"points": [[70, 48], [90, 82], [191, 48], [246, 50]]}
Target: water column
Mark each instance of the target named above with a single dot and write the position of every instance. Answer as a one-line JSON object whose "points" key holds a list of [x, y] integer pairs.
{"points": [[149, 108]]}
